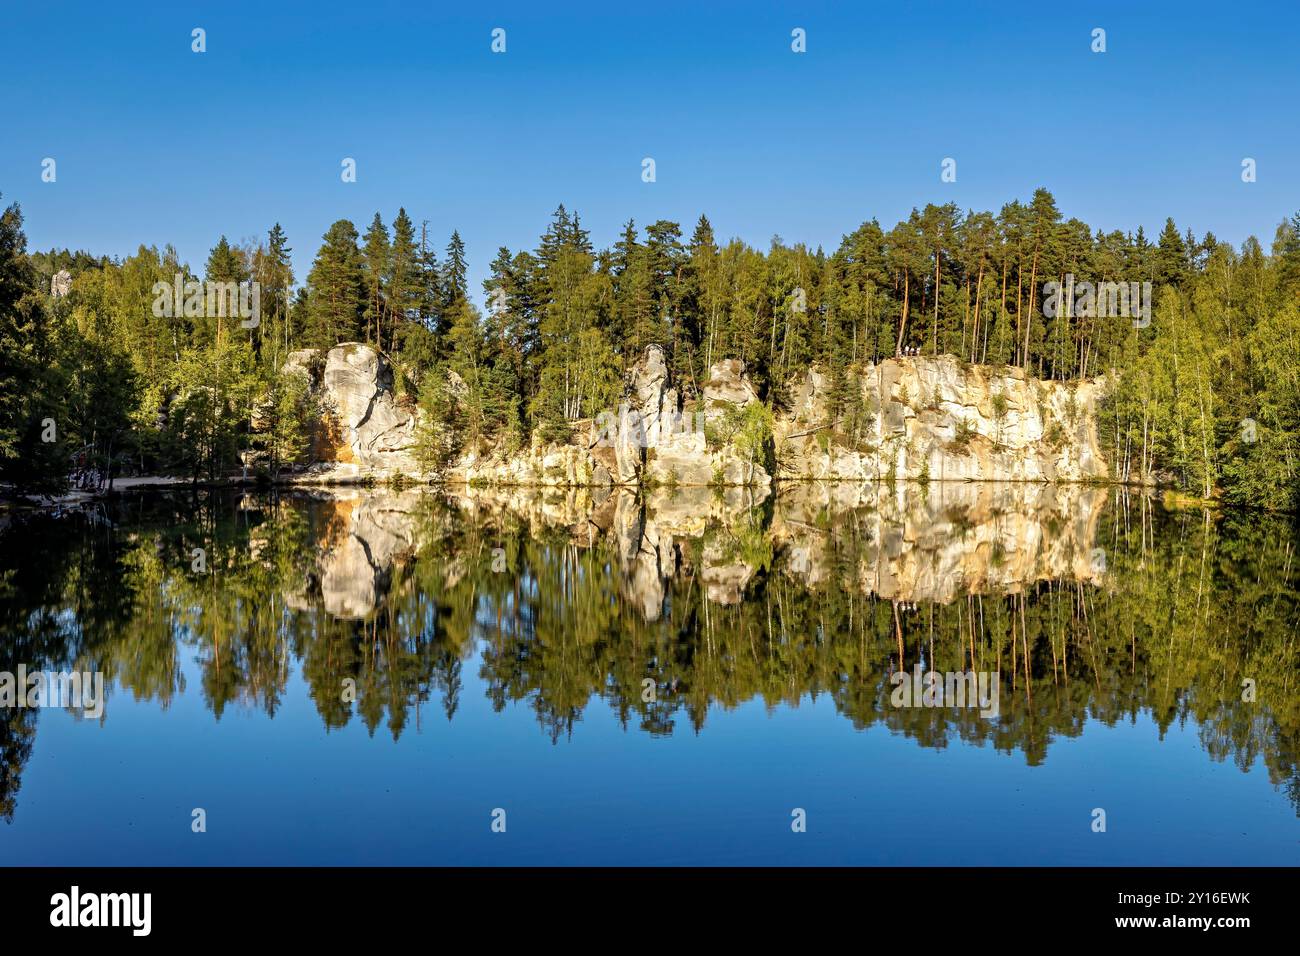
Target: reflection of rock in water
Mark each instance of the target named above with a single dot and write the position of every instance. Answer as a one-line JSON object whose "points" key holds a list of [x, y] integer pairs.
{"points": [[365, 534], [647, 534], [945, 541], [915, 544]]}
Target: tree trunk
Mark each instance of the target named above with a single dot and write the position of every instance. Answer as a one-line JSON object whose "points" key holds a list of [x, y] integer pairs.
{"points": [[902, 322], [934, 327], [1029, 319]]}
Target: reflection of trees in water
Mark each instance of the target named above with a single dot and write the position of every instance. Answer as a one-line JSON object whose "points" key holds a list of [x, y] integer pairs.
{"points": [[17, 732], [397, 594]]}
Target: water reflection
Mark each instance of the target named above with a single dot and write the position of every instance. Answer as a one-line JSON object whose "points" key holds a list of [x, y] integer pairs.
{"points": [[1087, 602]]}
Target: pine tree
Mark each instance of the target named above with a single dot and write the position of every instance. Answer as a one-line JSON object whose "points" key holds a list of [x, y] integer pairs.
{"points": [[29, 379], [336, 299], [406, 278], [506, 334], [703, 298], [1286, 249], [377, 262], [430, 283], [272, 268], [666, 259], [225, 268], [905, 254]]}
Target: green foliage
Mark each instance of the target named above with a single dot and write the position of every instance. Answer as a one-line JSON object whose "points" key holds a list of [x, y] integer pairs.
{"points": [[555, 431], [131, 388], [964, 433], [66, 393], [290, 413], [753, 434], [1000, 405], [747, 428], [438, 442], [1211, 396], [336, 307], [208, 419], [1055, 435]]}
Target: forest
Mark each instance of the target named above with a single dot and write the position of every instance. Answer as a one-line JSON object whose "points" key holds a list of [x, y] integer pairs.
{"points": [[1205, 398]]}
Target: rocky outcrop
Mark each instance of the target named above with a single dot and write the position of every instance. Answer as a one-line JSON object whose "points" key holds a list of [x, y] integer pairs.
{"points": [[938, 418], [364, 432], [61, 284], [542, 464], [728, 386], [909, 419], [647, 410], [906, 419], [651, 438], [691, 452]]}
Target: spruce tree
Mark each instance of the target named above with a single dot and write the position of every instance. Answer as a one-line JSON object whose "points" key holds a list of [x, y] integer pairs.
{"points": [[455, 281]]}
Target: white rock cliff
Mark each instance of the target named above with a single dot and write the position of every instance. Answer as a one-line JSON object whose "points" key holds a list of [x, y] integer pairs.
{"points": [[913, 418]]}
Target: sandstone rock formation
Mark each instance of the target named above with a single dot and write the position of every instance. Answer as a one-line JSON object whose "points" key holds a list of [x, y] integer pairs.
{"points": [[912, 418], [61, 283], [941, 419], [682, 454], [920, 418], [652, 437], [364, 433]]}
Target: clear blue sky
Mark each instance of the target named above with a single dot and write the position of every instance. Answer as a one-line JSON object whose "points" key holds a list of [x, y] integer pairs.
{"points": [[157, 144]]}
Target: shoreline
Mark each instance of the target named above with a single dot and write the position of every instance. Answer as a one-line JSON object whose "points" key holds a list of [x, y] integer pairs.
{"points": [[402, 482]]}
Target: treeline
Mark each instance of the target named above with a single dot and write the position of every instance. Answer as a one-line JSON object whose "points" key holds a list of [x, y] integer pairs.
{"points": [[1206, 395]]}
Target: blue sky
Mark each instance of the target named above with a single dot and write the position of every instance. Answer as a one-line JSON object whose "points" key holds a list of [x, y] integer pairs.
{"points": [[157, 144]]}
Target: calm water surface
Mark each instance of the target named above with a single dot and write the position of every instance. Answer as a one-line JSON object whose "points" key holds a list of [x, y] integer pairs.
{"points": [[652, 681]]}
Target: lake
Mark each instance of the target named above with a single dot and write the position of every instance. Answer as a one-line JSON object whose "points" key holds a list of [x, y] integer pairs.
{"points": [[688, 676]]}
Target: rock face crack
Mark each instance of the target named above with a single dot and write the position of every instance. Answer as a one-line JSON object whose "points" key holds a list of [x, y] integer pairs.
{"points": [[370, 407]]}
